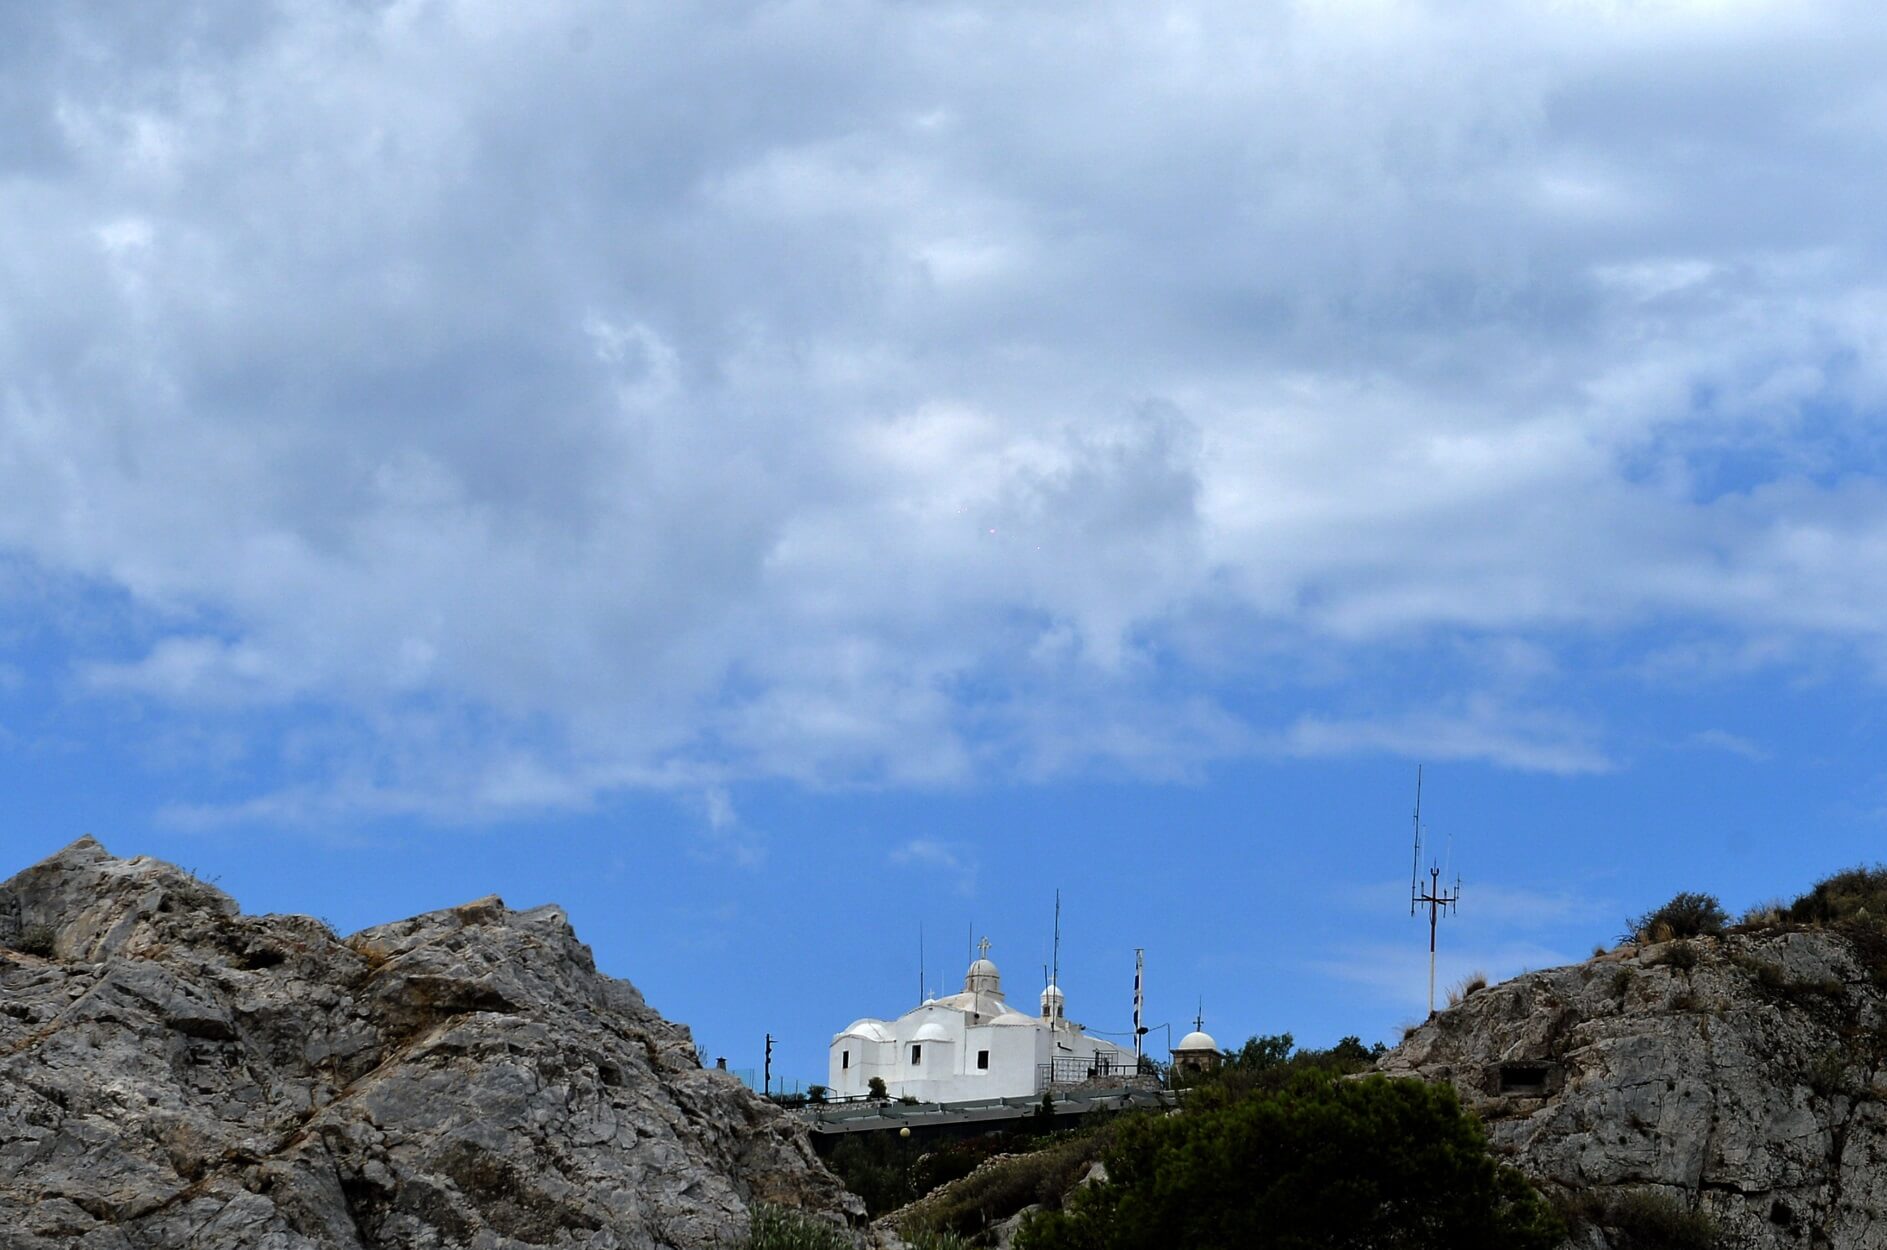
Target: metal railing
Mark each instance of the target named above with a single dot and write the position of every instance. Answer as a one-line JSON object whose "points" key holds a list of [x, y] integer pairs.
{"points": [[1078, 1070]]}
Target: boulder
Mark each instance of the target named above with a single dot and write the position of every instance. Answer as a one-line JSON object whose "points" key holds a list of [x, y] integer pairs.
{"points": [[174, 1073], [1740, 1077]]}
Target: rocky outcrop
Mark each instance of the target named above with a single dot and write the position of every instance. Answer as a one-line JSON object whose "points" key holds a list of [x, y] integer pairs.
{"points": [[176, 1074], [1741, 1077]]}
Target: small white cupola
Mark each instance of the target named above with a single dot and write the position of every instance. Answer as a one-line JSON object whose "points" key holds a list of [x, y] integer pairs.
{"points": [[982, 978], [1197, 1050], [1054, 1006]]}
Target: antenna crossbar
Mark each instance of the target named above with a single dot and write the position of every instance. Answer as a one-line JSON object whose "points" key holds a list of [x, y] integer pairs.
{"points": [[1438, 901]]}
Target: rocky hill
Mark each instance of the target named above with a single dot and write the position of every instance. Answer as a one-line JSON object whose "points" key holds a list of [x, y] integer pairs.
{"points": [[176, 1074], [1739, 1076]]}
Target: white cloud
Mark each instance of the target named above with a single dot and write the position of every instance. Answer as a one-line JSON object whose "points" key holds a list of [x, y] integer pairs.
{"points": [[1481, 730], [862, 397], [948, 861]]}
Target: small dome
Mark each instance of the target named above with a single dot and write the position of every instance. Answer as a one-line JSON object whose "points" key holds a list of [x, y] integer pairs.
{"points": [[1196, 1040], [870, 1030], [931, 1031], [983, 978]]}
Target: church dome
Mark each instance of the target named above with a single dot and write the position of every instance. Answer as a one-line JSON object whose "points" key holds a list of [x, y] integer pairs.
{"points": [[931, 1031], [870, 1030], [982, 978], [1196, 1040]]}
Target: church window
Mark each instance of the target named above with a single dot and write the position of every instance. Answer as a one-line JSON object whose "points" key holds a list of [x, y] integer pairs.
{"points": [[917, 1052], [982, 1059], [845, 1059]]}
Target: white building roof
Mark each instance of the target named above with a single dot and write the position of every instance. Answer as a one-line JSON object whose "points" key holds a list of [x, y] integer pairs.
{"points": [[1196, 1040], [870, 1030]]}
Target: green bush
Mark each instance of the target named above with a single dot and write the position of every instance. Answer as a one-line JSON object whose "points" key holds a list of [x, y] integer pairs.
{"points": [[876, 1087], [1679, 954], [1642, 1220], [936, 1241], [1322, 1163], [997, 1192], [1271, 1062], [1859, 894], [1687, 915], [780, 1228], [889, 1171], [37, 939]]}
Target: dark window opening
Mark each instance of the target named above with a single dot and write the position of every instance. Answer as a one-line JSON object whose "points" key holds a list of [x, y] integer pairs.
{"points": [[1526, 1079], [845, 1060], [982, 1059], [917, 1054]]}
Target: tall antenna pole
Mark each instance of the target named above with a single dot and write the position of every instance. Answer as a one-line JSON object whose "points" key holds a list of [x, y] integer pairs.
{"points": [[1056, 981], [1434, 897], [922, 971]]}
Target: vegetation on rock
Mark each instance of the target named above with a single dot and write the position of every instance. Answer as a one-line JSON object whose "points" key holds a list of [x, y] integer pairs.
{"points": [[1858, 894], [1316, 1162], [1687, 915]]}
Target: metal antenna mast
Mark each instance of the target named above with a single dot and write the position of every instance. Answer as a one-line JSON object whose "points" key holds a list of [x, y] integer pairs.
{"points": [[1056, 976], [1437, 900]]}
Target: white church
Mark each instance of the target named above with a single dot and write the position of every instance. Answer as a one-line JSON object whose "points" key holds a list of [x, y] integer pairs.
{"points": [[972, 1046]]}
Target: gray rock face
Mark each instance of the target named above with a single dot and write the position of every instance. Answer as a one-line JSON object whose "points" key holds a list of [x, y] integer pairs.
{"points": [[1741, 1076], [176, 1074]]}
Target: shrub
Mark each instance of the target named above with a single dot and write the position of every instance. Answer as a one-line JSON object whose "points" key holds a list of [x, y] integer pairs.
{"points": [[1622, 982], [1680, 955], [1765, 915], [1271, 1062], [37, 939], [816, 1093], [994, 1193], [1469, 986], [1320, 1162], [780, 1228], [876, 1087], [1827, 1075], [927, 1240], [1642, 1220], [1859, 894], [878, 1168], [1687, 915]]}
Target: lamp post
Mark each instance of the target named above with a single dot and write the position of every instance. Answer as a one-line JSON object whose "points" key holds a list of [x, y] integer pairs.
{"points": [[1148, 1028]]}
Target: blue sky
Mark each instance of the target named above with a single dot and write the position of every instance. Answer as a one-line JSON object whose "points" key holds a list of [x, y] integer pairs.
{"points": [[769, 476]]}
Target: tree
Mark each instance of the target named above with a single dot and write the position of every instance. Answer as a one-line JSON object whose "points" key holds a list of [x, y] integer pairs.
{"points": [[1323, 1163], [876, 1087]]}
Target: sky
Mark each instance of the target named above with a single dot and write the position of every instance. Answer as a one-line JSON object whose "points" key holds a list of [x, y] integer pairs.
{"points": [[799, 483]]}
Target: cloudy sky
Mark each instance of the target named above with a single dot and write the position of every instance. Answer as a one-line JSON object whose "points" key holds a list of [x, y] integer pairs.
{"points": [[769, 475]]}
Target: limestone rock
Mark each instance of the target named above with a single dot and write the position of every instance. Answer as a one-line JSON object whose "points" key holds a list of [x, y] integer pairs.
{"points": [[1741, 1076], [176, 1074]]}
